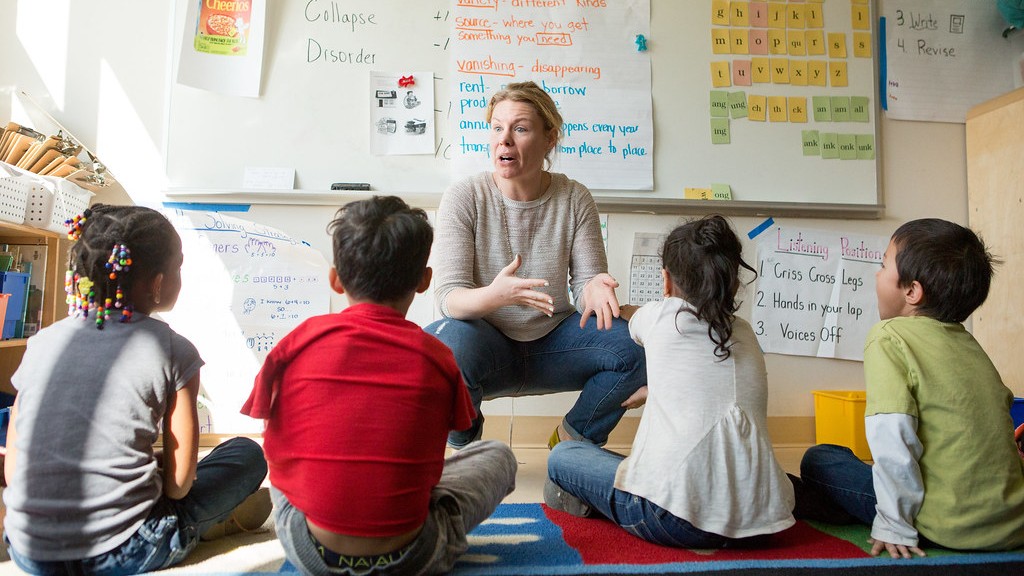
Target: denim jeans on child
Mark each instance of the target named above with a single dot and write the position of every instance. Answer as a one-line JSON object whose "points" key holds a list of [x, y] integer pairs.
{"points": [[845, 479], [606, 365], [588, 472], [224, 478], [473, 483]]}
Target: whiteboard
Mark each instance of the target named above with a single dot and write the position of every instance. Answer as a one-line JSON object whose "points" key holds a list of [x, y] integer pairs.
{"points": [[312, 115]]}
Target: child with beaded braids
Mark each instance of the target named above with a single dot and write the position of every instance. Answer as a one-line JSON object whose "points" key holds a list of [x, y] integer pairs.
{"points": [[701, 472], [87, 492]]}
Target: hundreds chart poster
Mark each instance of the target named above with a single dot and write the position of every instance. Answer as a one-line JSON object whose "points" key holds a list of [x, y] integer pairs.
{"points": [[590, 56]]}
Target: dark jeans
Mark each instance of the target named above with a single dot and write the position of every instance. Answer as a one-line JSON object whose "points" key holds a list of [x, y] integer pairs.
{"points": [[605, 365]]}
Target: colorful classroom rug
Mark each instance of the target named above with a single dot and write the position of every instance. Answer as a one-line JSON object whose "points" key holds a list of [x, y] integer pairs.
{"points": [[532, 539]]}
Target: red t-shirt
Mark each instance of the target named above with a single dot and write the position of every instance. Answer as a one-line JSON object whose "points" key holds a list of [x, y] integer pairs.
{"points": [[358, 407]]}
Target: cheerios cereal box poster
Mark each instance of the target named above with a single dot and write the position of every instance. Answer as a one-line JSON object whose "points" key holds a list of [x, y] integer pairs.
{"points": [[223, 27]]}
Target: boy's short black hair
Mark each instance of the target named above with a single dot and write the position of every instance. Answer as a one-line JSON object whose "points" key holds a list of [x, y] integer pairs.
{"points": [[950, 262], [381, 246]]}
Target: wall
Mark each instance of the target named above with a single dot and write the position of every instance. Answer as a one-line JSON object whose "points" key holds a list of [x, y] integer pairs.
{"points": [[108, 88]]}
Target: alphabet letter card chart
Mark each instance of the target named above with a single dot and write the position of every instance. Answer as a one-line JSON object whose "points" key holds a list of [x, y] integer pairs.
{"points": [[815, 292]]}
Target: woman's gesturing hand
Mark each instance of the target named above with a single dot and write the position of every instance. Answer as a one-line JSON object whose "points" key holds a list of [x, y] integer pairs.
{"points": [[513, 290], [599, 296]]}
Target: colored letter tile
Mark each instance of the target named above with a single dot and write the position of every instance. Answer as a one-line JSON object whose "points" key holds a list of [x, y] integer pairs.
{"points": [[741, 75], [720, 131], [811, 145], [720, 74], [859, 109], [838, 73], [719, 104], [757, 107]]}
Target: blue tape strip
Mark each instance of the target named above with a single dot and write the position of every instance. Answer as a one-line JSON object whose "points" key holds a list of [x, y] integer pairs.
{"points": [[207, 207], [761, 228], [883, 69]]}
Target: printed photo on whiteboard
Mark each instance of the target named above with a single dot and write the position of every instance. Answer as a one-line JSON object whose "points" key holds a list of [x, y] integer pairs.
{"points": [[401, 113]]}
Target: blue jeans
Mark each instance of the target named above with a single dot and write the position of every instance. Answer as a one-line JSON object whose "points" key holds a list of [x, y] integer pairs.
{"points": [[588, 472], [845, 480], [224, 478], [605, 365]]}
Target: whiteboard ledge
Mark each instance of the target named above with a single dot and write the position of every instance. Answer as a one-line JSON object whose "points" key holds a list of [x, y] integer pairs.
{"points": [[738, 208], [294, 197], [605, 203]]}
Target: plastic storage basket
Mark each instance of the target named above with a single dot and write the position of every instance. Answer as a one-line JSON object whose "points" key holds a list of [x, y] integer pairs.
{"points": [[839, 419], [57, 200], [14, 191]]}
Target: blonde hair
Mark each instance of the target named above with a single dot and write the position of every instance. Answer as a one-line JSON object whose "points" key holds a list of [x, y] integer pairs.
{"points": [[530, 93]]}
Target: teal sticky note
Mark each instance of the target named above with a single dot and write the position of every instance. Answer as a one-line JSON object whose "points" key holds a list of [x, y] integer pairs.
{"points": [[859, 108], [719, 104], [840, 108], [812, 142], [865, 146], [822, 108], [721, 192], [829, 145], [847, 147], [720, 131], [738, 104]]}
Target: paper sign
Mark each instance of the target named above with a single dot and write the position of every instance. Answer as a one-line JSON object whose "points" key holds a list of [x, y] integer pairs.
{"points": [[264, 178], [815, 293]]}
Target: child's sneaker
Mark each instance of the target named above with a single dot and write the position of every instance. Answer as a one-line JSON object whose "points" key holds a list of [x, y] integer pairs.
{"points": [[246, 517], [559, 499]]}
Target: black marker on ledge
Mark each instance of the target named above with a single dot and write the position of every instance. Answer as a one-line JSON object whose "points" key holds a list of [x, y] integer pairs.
{"points": [[363, 186]]}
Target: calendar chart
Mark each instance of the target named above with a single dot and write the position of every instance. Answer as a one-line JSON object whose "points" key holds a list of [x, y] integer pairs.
{"points": [[645, 282]]}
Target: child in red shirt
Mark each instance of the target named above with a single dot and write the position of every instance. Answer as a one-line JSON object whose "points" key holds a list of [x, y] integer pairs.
{"points": [[358, 406]]}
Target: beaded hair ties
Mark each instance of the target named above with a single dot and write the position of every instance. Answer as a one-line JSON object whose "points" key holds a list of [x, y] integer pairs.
{"points": [[80, 289], [119, 263], [75, 224]]}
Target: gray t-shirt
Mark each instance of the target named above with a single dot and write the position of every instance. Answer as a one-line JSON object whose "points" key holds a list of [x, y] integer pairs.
{"points": [[558, 236], [89, 405]]}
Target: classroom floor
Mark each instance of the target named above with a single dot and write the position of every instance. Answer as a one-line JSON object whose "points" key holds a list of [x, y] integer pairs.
{"points": [[237, 553]]}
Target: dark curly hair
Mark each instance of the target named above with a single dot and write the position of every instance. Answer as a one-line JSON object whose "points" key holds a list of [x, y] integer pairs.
{"points": [[703, 258], [148, 235]]}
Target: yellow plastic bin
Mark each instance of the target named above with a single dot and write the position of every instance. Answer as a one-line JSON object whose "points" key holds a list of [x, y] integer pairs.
{"points": [[839, 419]]}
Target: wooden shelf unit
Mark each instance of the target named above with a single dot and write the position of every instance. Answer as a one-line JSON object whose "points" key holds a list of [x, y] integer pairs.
{"points": [[54, 306]]}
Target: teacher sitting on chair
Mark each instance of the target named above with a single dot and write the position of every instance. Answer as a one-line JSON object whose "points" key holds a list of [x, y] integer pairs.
{"points": [[510, 245]]}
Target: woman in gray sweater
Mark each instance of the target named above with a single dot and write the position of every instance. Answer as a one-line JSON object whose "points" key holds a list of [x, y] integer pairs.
{"points": [[510, 246]]}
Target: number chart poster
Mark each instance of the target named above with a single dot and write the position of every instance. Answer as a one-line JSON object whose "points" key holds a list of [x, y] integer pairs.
{"points": [[815, 292], [244, 287], [589, 56]]}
